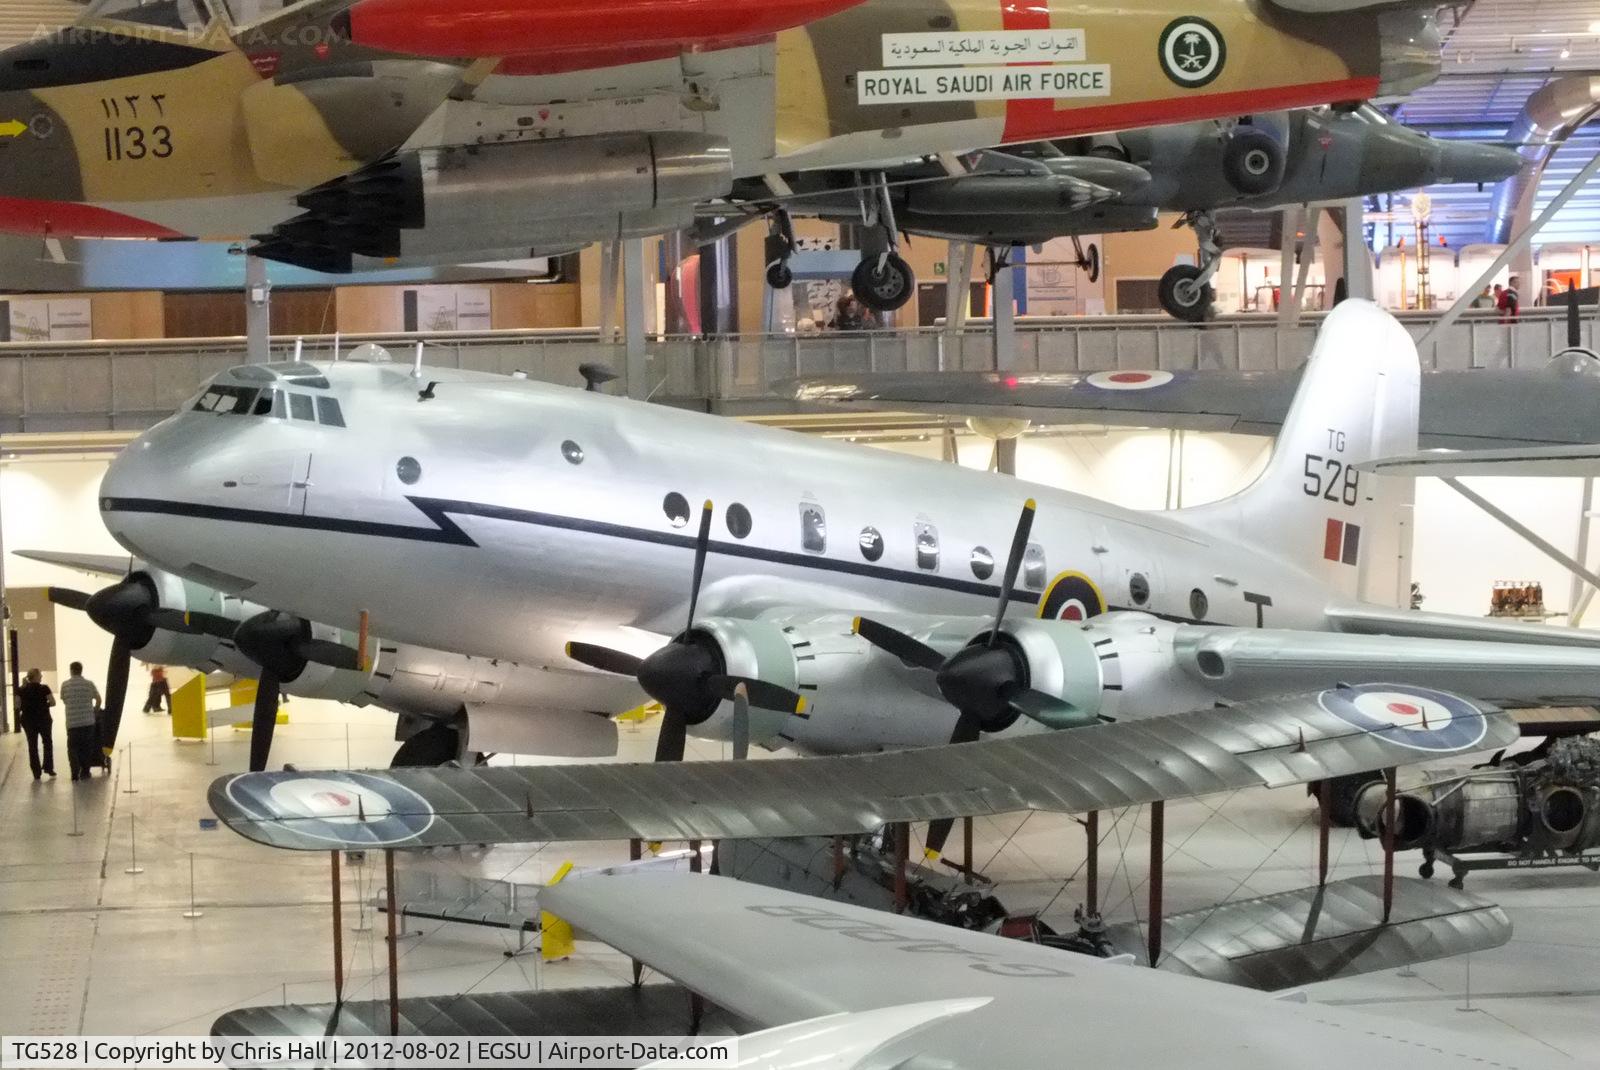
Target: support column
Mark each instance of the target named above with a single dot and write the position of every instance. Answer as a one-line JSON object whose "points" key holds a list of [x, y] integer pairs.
{"points": [[257, 311], [1355, 258], [966, 848], [338, 933], [958, 288], [1005, 317], [635, 294], [1288, 226], [1324, 821], [9, 681], [635, 852], [610, 271], [1091, 866], [1575, 594], [394, 945], [1388, 844], [1158, 837]]}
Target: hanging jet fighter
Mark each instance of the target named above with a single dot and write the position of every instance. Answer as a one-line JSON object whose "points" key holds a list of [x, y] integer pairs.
{"points": [[341, 133], [1114, 183], [854, 594], [450, 705]]}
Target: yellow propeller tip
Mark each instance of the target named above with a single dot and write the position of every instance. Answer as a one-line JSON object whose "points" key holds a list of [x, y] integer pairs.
{"points": [[567, 649], [1030, 505], [931, 855], [707, 505], [800, 705], [855, 626]]}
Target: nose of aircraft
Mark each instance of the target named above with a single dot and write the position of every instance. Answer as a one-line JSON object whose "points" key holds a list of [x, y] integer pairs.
{"points": [[1469, 161]]}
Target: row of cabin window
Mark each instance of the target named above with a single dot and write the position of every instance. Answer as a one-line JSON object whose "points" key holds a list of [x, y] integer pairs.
{"points": [[814, 539], [249, 401]]}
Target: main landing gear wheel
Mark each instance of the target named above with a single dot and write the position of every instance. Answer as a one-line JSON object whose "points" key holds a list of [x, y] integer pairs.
{"points": [[431, 746], [780, 276], [884, 288], [1252, 161], [1182, 297]]}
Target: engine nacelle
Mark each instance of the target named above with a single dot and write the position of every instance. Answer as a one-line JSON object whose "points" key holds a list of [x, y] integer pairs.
{"points": [[200, 652], [1117, 665]]}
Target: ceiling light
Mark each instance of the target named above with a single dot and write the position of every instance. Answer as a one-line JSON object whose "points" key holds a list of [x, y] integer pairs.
{"points": [[1594, 27]]}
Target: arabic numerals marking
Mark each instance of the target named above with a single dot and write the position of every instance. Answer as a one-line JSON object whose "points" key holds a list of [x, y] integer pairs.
{"points": [[1331, 480], [134, 143]]}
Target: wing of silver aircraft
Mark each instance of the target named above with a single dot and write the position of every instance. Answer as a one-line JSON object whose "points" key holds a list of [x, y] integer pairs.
{"points": [[868, 988], [1477, 409], [1581, 460], [1266, 743]]}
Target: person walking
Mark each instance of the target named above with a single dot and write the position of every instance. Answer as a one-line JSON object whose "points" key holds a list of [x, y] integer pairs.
{"points": [[34, 700], [160, 691], [82, 700]]}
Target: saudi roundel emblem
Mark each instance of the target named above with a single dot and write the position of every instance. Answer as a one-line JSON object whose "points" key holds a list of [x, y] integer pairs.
{"points": [[1128, 380], [1071, 596], [1415, 717], [1192, 52]]}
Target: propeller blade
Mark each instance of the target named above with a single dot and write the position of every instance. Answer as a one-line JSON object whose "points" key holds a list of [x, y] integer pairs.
{"points": [[66, 596], [702, 543], [938, 833], [116, 692], [674, 735], [195, 622], [1574, 324], [761, 694], [1050, 711], [327, 652], [913, 652], [1019, 546], [604, 658], [264, 720], [741, 722]]}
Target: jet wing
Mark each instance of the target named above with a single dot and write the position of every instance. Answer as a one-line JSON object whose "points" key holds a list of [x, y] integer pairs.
{"points": [[966, 1000], [1478, 409], [1581, 460], [1287, 740]]}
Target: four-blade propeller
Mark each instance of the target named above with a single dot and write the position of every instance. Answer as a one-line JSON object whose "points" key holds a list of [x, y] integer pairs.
{"points": [[281, 644], [687, 676], [986, 682]]}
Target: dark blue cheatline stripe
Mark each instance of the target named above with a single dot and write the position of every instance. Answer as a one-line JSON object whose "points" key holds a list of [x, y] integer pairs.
{"points": [[448, 532]]}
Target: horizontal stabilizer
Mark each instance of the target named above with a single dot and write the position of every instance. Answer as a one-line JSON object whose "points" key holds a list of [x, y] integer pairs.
{"points": [[1583, 460], [621, 1010], [112, 565], [1268, 743], [1317, 934]]}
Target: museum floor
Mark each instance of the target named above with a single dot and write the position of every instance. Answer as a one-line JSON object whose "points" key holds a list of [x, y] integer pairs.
{"points": [[88, 948]]}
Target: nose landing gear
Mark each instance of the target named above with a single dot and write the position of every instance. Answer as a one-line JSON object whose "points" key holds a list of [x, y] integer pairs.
{"points": [[1185, 290]]}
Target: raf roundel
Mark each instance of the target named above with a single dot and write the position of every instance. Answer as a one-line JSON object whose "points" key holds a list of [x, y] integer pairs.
{"points": [[1191, 51], [1415, 717], [1071, 596], [342, 808], [1128, 380]]}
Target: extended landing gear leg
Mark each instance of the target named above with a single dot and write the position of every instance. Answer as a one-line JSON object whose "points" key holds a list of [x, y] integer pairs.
{"points": [[780, 247], [1185, 291], [883, 281]]}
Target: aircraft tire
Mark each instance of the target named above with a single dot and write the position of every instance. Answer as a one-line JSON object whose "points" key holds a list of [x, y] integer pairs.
{"points": [[1252, 161], [780, 276], [1181, 298], [1091, 256], [431, 746], [886, 290]]}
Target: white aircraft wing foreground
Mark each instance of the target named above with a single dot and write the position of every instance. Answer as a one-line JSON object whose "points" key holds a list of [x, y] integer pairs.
{"points": [[1269, 743], [832, 978]]}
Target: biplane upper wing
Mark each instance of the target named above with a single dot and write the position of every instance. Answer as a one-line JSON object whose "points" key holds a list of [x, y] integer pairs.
{"points": [[1268, 742]]}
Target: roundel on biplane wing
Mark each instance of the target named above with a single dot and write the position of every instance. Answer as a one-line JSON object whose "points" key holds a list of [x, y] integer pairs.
{"points": [[1071, 596]]}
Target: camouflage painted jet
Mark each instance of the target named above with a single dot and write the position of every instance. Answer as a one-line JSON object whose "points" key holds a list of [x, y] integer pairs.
{"points": [[440, 130]]}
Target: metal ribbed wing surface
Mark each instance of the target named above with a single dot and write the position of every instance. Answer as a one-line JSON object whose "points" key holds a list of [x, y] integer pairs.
{"points": [[1315, 934], [1265, 743], [649, 1010]]}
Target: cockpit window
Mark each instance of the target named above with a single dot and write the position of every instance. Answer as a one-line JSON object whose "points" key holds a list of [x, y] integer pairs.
{"points": [[328, 412], [263, 404], [251, 373], [221, 397], [300, 407], [189, 16]]}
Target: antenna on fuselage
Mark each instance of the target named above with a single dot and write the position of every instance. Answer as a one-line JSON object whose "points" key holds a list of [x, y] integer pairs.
{"points": [[416, 365]]}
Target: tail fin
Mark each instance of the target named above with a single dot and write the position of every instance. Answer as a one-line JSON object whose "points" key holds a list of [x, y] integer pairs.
{"points": [[1357, 401]]}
